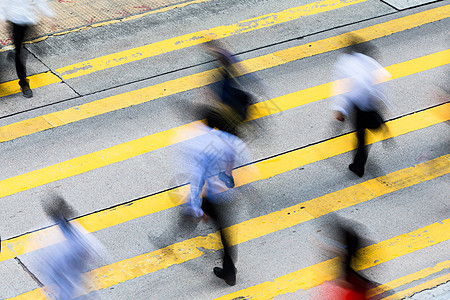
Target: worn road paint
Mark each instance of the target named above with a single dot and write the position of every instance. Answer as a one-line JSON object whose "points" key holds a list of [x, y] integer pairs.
{"points": [[109, 104]]}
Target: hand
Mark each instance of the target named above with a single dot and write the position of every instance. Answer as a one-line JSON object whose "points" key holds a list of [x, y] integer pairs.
{"points": [[340, 116]]}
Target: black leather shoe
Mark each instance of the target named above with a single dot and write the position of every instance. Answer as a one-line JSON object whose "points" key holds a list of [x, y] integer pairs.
{"points": [[230, 278], [26, 91], [357, 170]]}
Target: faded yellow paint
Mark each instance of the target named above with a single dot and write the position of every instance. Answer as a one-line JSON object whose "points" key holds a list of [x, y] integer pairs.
{"points": [[409, 278], [196, 38], [424, 286], [376, 254], [159, 140], [186, 83], [63, 22], [266, 169]]}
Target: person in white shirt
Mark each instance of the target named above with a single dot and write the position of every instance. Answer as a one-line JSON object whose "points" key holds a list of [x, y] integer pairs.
{"points": [[22, 14], [360, 90]]}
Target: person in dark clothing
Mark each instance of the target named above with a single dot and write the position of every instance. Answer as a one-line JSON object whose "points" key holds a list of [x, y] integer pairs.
{"points": [[21, 15], [360, 91], [228, 270]]}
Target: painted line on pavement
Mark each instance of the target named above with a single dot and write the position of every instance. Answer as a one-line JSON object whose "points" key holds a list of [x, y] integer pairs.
{"points": [[266, 169], [306, 278], [105, 23], [181, 42], [424, 286], [199, 37], [36, 81], [409, 278], [109, 104], [127, 150], [374, 255]]}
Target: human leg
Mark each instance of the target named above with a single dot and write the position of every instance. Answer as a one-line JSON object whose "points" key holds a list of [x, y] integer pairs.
{"points": [[360, 158], [228, 270], [18, 37]]}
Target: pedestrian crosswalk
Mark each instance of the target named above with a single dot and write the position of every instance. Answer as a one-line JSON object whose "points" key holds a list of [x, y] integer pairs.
{"points": [[254, 228], [120, 101], [263, 171], [312, 276]]}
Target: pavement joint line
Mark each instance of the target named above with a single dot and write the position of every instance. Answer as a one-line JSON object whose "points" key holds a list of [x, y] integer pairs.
{"points": [[26, 270], [306, 278], [244, 175], [191, 39], [199, 37], [374, 254], [409, 278], [106, 22], [191, 66], [419, 288], [407, 22], [130, 149], [172, 87]]}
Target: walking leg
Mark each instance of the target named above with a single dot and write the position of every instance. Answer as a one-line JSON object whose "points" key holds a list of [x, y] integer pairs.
{"points": [[360, 158], [18, 37], [228, 270]]}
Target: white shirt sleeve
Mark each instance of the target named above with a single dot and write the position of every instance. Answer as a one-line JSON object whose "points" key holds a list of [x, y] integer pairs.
{"points": [[44, 8], [3, 4], [342, 85]]}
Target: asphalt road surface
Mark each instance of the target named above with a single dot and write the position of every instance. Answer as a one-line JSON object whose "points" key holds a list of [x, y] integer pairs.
{"points": [[113, 106]]}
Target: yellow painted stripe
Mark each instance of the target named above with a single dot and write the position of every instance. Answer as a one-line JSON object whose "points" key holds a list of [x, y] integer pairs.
{"points": [[424, 286], [186, 83], [323, 91], [409, 278], [192, 39], [176, 43], [36, 81], [268, 168], [376, 254], [306, 278], [159, 140], [105, 23], [162, 139]]}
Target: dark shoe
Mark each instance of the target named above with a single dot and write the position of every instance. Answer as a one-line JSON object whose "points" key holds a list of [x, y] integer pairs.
{"points": [[26, 91], [229, 181], [357, 170], [230, 278]]}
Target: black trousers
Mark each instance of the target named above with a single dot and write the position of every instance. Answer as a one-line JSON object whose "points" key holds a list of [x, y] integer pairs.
{"points": [[211, 209], [19, 32], [364, 120]]}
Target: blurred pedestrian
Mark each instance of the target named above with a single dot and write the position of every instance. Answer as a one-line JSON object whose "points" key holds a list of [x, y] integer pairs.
{"points": [[360, 91], [350, 284], [208, 155], [234, 100], [63, 265], [21, 14]]}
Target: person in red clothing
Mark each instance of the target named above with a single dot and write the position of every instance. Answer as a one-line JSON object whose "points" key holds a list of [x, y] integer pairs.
{"points": [[350, 285]]}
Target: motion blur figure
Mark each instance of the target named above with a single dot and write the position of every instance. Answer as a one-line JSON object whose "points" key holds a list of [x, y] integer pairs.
{"points": [[234, 100], [22, 14], [360, 92], [350, 285], [207, 156], [63, 264]]}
